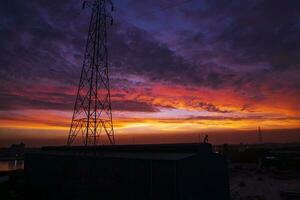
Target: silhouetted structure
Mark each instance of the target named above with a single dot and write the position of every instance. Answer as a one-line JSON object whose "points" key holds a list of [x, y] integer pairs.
{"points": [[92, 112], [205, 140], [260, 136], [129, 172], [17, 150]]}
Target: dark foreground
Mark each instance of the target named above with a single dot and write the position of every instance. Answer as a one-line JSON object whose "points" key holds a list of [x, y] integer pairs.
{"points": [[254, 172], [129, 172], [138, 172]]}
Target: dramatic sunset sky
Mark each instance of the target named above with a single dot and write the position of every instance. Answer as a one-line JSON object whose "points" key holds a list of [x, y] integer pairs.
{"points": [[179, 69]]}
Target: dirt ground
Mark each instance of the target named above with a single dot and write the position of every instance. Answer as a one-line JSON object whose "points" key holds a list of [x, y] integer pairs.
{"points": [[248, 183]]}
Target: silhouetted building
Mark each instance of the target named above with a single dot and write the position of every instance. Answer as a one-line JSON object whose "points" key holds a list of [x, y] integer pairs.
{"points": [[17, 150], [138, 172]]}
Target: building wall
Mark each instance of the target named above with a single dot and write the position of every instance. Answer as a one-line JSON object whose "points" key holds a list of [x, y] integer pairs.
{"points": [[91, 177], [207, 178]]}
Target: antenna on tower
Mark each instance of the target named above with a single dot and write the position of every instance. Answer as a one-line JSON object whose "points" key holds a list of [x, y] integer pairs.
{"points": [[92, 111], [260, 135]]}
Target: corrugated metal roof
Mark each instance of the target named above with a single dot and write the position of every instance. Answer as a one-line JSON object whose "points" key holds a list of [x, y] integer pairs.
{"points": [[151, 156], [125, 155]]}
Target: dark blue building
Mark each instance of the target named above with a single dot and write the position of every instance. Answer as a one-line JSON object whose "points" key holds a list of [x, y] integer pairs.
{"points": [[139, 172]]}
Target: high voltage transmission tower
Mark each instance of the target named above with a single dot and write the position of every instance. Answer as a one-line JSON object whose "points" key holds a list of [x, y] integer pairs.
{"points": [[92, 112]]}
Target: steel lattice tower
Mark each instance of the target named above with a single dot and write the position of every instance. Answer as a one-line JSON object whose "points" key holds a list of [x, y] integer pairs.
{"points": [[92, 112]]}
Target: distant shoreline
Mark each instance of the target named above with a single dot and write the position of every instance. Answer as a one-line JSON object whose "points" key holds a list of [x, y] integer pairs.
{"points": [[11, 158]]}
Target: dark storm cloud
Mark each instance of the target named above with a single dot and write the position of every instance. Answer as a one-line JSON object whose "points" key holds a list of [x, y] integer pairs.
{"points": [[39, 40], [60, 101], [45, 41], [254, 46], [35, 98], [130, 105], [257, 117], [265, 31], [211, 108], [237, 44], [251, 32], [137, 52]]}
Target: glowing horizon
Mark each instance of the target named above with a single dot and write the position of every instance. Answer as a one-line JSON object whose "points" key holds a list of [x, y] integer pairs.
{"points": [[195, 68]]}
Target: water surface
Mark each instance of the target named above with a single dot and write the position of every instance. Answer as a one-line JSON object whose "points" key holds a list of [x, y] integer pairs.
{"points": [[11, 165]]}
